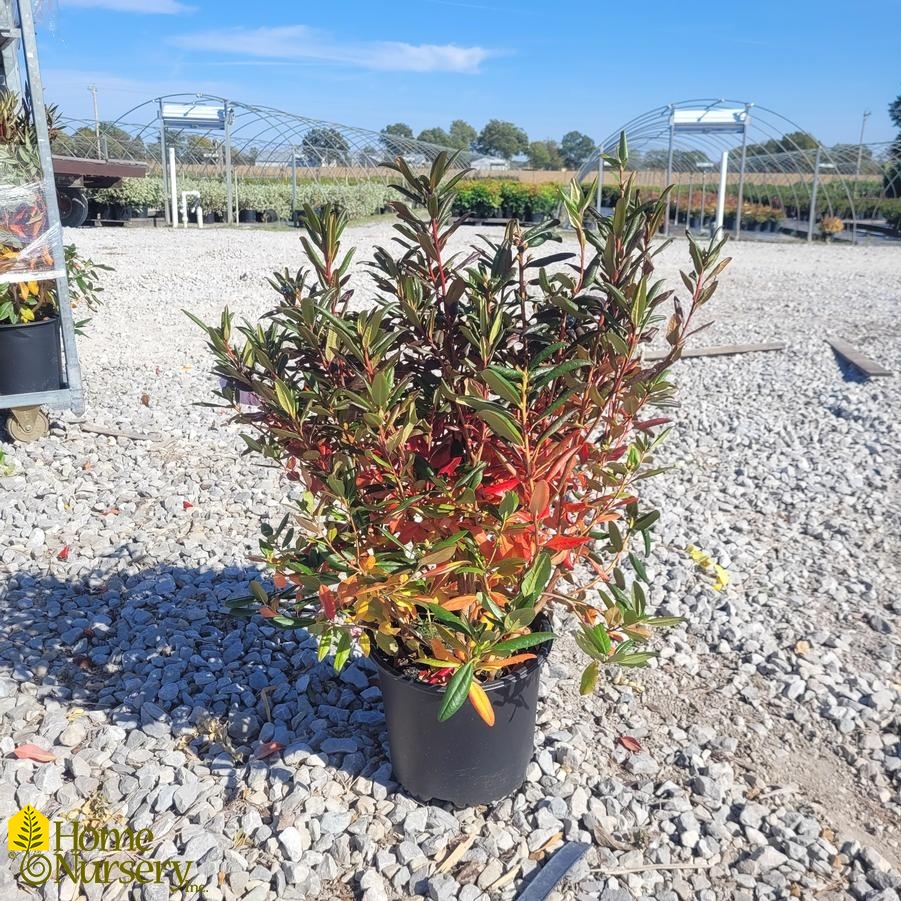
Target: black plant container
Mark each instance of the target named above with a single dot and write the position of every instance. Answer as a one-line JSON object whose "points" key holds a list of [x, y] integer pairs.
{"points": [[461, 760], [30, 358]]}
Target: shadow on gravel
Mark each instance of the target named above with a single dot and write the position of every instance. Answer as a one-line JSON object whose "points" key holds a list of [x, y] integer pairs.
{"points": [[849, 373], [156, 649]]}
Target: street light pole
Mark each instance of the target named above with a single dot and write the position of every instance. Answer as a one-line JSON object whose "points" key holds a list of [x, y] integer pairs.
{"points": [[93, 89], [863, 125]]}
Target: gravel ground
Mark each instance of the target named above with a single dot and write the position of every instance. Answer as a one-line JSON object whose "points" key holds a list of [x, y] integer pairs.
{"points": [[770, 757]]}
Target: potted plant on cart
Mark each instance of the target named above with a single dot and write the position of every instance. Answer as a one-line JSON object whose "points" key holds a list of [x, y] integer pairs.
{"points": [[472, 447], [30, 358]]}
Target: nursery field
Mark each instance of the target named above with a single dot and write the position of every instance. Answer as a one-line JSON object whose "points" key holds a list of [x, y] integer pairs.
{"points": [[758, 758]]}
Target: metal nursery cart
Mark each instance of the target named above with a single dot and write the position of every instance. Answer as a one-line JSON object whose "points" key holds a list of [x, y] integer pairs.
{"points": [[19, 73]]}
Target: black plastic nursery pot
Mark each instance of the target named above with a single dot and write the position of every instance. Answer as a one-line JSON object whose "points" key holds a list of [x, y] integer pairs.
{"points": [[30, 358], [461, 760]]}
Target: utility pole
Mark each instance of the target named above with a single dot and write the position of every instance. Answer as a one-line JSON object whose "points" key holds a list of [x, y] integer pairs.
{"points": [[863, 125], [93, 89]]}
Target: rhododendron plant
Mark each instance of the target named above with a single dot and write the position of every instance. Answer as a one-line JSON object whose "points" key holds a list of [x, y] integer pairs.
{"points": [[472, 444]]}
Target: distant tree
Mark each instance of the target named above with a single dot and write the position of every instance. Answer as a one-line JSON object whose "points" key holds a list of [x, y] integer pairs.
{"points": [[397, 130], [115, 143], [545, 155], [435, 136], [322, 146], [462, 135], [504, 139], [892, 177], [576, 148], [246, 157], [894, 113], [849, 150], [799, 140], [683, 160]]}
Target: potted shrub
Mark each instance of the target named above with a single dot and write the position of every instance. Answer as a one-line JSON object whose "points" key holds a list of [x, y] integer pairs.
{"points": [[30, 353], [830, 226], [472, 448]]}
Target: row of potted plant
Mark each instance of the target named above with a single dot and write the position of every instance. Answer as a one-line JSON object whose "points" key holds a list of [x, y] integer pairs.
{"points": [[260, 199], [472, 449], [498, 198]]}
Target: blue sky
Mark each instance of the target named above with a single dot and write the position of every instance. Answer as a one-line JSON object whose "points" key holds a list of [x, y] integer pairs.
{"points": [[548, 67]]}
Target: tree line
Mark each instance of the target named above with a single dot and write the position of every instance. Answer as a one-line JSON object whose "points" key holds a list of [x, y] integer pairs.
{"points": [[501, 139]]}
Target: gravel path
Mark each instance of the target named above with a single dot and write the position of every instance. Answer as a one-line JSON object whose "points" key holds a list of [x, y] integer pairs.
{"points": [[770, 761]]}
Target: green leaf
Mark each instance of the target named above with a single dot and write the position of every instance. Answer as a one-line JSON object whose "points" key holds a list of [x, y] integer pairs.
{"points": [[259, 592], [502, 425], [537, 577], [640, 658], [448, 618], [521, 642], [342, 652], [519, 619], [442, 555], [457, 691], [508, 505], [639, 567], [616, 539], [380, 389], [500, 386], [646, 521], [662, 622], [589, 678]]}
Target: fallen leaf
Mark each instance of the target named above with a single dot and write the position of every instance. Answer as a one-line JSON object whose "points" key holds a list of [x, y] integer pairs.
{"points": [[187, 505], [538, 853], [267, 749], [506, 879], [802, 648], [606, 840], [64, 553], [456, 855], [630, 743], [33, 752], [110, 511], [145, 399], [87, 466], [75, 713]]}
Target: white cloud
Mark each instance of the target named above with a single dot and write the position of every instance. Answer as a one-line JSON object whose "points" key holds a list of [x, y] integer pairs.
{"points": [[68, 89], [297, 42], [153, 7]]}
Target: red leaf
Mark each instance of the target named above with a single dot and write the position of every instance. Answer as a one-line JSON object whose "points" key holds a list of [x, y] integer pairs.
{"points": [[630, 743], [267, 612], [499, 488], [565, 542], [33, 752], [280, 581], [450, 468], [64, 553], [650, 423], [187, 505], [267, 748]]}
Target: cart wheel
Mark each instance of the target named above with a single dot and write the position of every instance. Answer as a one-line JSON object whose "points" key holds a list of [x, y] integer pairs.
{"points": [[28, 424], [73, 207]]}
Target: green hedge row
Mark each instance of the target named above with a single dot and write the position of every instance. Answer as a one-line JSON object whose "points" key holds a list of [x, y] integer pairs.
{"points": [[492, 197], [360, 199]]}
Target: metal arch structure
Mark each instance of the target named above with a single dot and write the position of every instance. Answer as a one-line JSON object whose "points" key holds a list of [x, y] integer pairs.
{"points": [[222, 138], [665, 153], [264, 139]]}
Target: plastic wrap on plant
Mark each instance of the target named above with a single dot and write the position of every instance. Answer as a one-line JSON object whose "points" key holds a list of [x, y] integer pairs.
{"points": [[26, 236]]}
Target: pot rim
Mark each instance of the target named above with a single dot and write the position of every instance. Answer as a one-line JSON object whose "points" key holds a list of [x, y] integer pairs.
{"points": [[384, 662], [11, 325]]}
